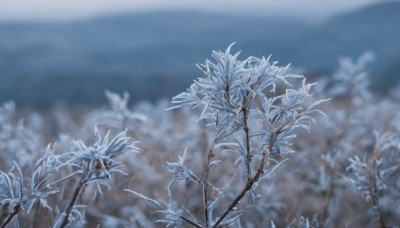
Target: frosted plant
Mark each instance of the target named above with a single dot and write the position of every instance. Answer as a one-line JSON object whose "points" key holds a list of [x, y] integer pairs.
{"points": [[11, 193], [18, 143], [119, 110], [351, 78], [376, 177], [14, 196], [7, 112], [95, 164], [118, 115], [346, 133], [178, 125], [253, 123]]}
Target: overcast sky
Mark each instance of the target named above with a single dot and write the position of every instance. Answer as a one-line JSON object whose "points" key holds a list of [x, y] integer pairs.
{"points": [[75, 9]]}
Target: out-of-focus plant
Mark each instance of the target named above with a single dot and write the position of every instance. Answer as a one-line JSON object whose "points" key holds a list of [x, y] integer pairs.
{"points": [[15, 196], [351, 78], [94, 164], [18, 143], [252, 119], [376, 177], [11, 193], [118, 115]]}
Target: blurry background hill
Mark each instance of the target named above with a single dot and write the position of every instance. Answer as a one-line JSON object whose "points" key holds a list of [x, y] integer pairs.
{"points": [[153, 54]]}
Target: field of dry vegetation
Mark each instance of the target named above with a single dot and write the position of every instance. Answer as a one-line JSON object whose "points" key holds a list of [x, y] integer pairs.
{"points": [[251, 144]]}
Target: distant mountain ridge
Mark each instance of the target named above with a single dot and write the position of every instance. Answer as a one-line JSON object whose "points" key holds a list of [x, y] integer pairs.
{"points": [[375, 13], [152, 55]]}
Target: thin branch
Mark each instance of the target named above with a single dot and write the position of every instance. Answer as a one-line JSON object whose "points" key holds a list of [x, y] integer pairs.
{"points": [[72, 203], [375, 199], [17, 209], [249, 183], [246, 130], [205, 184], [190, 221]]}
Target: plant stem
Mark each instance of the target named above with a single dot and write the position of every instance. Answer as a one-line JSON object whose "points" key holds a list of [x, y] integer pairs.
{"points": [[249, 183], [381, 220], [72, 203], [205, 185], [190, 221], [17, 209], [375, 200], [37, 208], [246, 130]]}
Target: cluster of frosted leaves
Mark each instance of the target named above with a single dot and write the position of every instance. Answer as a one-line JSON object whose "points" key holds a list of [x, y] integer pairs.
{"points": [[376, 176], [96, 162], [181, 171], [351, 78], [42, 181], [229, 87], [14, 196], [282, 115], [17, 142], [11, 189], [118, 115], [93, 163]]}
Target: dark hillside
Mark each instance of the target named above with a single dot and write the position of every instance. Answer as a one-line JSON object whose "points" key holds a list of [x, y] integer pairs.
{"points": [[77, 61]]}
